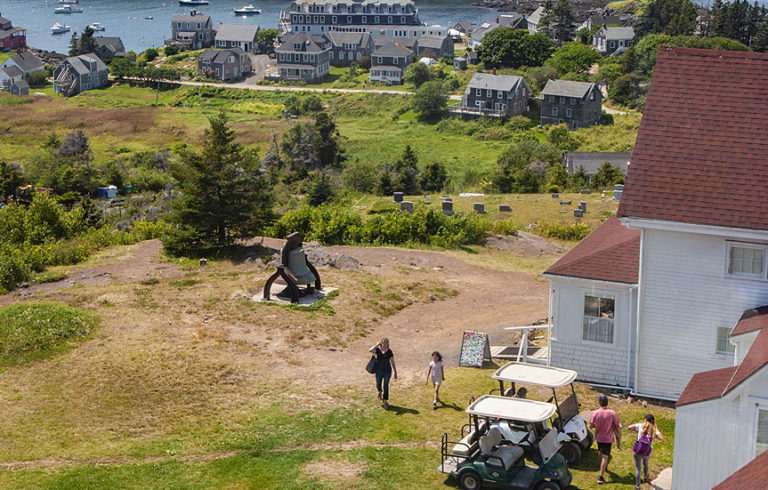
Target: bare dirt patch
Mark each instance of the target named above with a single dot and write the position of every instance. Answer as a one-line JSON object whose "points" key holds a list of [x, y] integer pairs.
{"points": [[333, 470], [523, 243]]}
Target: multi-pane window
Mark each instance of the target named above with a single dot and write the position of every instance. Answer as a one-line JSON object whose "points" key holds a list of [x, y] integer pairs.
{"points": [[598, 319], [723, 346], [554, 111], [745, 261], [762, 431], [568, 112]]}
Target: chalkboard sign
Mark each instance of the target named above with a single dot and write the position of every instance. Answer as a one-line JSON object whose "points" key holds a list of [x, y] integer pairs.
{"points": [[475, 348]]}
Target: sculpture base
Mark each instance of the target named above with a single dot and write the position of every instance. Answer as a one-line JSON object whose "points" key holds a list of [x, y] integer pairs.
{"points": [[306, 300]]}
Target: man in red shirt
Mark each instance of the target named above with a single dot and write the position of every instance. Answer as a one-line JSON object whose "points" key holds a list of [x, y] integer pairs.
{"points": [[605, 423]]}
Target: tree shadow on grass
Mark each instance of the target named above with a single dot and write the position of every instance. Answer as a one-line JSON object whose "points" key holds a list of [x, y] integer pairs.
{"points": [[402, 410]]}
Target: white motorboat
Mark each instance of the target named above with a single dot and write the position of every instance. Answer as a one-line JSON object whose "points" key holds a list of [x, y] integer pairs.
{"points": [[193, 2], [247, 10], [68, 9], [96, 26], [59, 28]]}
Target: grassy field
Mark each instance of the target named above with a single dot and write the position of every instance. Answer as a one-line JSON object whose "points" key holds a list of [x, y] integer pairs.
{"points": [[124, 119]]}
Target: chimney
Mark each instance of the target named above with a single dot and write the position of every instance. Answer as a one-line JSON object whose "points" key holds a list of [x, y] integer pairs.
{"points": [[497, 19]]}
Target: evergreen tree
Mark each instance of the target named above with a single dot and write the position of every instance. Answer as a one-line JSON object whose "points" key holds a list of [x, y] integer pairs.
{"points": [[432, 177], [221, 198], [760, 41], [74, 45], [673, 17], [547, 21], [10, 180], [563, 25], [321, 191], [326, 143], [406, 171], [87, 44], [607, 175], [384, 185]]}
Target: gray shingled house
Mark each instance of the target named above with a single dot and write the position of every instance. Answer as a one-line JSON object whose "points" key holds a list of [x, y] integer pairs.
{"points": [[608, 39], [80, 73], [576, 104], [495, 96], [26, 62], [433, 46], [303, 56], [388, 62], [109, 47], [243, 36], [20, 87], [226, 65], [191, 31], [10, 75], [348, 47]]}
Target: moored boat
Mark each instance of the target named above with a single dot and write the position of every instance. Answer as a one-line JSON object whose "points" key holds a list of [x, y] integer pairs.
{"points": [[96, 26], [193, 2], [68, 9], [59, 28], [247, 10]]}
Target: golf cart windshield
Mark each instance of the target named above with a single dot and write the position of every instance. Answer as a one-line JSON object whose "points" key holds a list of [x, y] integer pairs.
{"points": [[568, 408]]}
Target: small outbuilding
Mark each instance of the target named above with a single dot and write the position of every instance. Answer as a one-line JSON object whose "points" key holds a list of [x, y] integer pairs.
{"points": [[20, 87], [459, 63]]}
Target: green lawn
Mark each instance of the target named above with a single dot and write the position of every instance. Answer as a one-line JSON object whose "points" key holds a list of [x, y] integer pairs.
{"points": [[5, 56]]}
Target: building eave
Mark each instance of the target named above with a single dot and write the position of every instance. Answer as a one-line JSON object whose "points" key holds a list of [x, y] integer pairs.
{"points": [[663, 225]]}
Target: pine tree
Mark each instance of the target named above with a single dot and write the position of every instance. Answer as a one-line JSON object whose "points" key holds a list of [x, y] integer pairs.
{"points": [[326, 144], [222, 198], [547, 21], [563, 28], [321, 191], [406, 172], [760, 41], [87, 43], [74, 45]]}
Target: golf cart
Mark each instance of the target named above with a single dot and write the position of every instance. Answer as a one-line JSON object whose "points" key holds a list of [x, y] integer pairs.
{"points": [[573, 434], [483, 457]]}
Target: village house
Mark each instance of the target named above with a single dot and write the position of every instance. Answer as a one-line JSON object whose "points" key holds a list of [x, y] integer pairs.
{"points": [[534, 20], [476, 37], [349, 47], [575, 104], [388, 63], [11, 37], [608, 40], [459, 63], [26, 62], [227, 65], [77, 74], [9, 75], [688, 263], [464, 27], [19, 87], [191, 31], [752, 475], [591, 161], [495, 96], [243, 36], [435, 47], [513, 20], [598, 20], [303, 56], [109, 47]]}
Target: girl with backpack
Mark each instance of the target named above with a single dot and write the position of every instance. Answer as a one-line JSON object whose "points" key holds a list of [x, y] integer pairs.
{"points": [[641, 450]]}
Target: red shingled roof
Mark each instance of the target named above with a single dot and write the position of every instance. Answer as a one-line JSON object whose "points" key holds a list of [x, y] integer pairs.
{"points": [[751, 320], [610, 253], [701, 154], [752, 475], [715, 384]]}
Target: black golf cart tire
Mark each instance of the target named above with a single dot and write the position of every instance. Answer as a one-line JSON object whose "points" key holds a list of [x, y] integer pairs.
{"points": [[571, 451], [470, 475], [566, 482], [588, 441], [548, 485]]}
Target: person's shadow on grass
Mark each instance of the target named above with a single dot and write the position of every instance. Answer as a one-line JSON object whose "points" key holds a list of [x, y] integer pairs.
{"points": [[402, 410], [441, 404]]}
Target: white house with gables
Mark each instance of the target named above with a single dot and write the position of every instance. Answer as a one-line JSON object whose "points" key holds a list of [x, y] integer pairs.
{"points": [[695, 199]]}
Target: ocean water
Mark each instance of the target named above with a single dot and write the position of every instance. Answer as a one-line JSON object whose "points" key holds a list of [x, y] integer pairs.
{"points": [[128, 18]]}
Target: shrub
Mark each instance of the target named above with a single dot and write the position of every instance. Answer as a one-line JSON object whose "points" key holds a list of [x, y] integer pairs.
{"points": [[37, 78], [36, 330], [508, 226], [150, 54], [171, 50], [563, 231]]}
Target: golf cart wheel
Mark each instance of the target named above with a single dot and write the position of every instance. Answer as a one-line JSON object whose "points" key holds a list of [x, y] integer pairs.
{"points": [[588, 441], [548, 485], [471, 481], [571, 452]]}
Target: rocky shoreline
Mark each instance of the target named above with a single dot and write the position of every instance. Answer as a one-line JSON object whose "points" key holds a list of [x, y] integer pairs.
{"points": [[582, 9]]}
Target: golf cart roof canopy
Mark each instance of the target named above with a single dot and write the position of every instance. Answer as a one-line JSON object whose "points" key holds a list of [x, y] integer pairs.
{"points": [[504, 407], [550, 377]]}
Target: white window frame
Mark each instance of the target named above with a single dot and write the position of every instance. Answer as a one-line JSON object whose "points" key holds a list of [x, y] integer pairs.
{"points": [[554, 111], [744, 275], [599, 295], [568, 112], [759, 447], [730, 349], [478, 92]]}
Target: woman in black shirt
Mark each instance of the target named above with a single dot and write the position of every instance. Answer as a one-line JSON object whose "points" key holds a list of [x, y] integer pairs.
{"points": [[385, 368]]}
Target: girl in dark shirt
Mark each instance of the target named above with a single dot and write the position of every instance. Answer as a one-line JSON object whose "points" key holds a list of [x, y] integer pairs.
{"points": [[385, 368]]}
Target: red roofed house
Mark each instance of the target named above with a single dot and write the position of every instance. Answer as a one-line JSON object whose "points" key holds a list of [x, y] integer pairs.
{"points": [[753, 475], [593, 298], [722, 415], [11, 37]]}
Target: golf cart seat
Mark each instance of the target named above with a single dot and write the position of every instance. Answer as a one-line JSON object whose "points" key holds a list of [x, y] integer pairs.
{"points": [[507, 455], [468, 444]]}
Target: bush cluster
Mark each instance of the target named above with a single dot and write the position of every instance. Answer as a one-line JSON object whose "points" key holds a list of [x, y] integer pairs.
{"points": [[564, 231], [43, 235], [336, 226]]}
